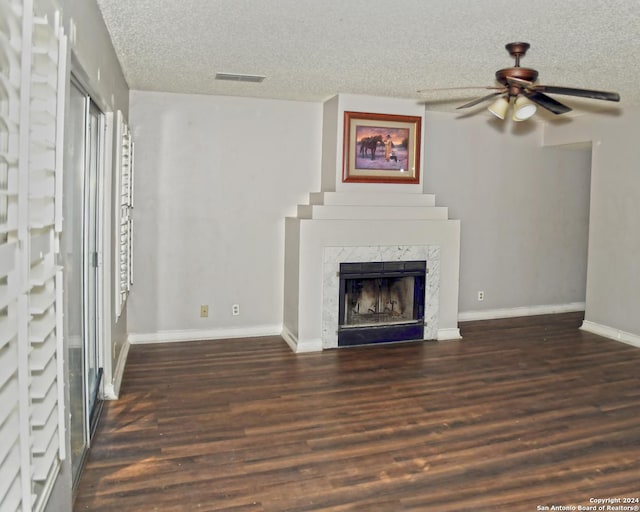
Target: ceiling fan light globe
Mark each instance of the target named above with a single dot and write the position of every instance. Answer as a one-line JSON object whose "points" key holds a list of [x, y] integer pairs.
{"points": [[499, 107], [523, 108]]}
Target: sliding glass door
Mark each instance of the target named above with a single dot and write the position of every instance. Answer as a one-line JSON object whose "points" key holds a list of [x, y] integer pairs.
{"points": [[93, 371], [83, 147]]}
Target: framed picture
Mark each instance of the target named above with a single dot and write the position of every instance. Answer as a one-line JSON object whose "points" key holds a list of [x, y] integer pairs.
{"points": [[381, 148]]}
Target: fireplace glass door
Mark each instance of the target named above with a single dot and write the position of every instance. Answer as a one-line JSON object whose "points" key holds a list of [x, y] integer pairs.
{"points": [[381, 302]]}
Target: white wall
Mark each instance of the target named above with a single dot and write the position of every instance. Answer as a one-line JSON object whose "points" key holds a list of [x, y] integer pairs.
{"points": [[613, 274], [91, 43], [215, 179], [524, 212]]}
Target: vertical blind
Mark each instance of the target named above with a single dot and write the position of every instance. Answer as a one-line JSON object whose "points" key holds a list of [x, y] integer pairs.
{"points": [[32, 78]]}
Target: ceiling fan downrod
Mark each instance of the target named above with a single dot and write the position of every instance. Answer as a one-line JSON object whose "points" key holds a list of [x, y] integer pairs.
{"points": [[517, 50]]}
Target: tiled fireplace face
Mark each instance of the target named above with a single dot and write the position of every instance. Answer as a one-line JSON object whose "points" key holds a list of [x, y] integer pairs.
{"points": [[332, 258]]}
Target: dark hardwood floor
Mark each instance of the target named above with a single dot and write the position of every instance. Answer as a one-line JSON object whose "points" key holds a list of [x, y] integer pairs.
{"points": [[521, 414]]}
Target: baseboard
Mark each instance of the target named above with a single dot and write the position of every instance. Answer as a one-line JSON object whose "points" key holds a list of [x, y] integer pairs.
{"points": [[449, 334], [289, 338], [300, 347], [112, 390], [490, 314], [611, 333], [210, 334]]}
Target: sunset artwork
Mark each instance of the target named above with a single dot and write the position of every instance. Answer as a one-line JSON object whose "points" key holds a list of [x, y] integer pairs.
{"points": [[372, 152], [381, 148]]}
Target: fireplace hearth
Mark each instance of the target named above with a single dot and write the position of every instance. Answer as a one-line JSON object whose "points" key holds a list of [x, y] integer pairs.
{"points": [[381, 302]]}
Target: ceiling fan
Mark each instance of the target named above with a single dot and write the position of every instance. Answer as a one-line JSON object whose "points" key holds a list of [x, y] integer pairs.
{"points": [[519, 84]]}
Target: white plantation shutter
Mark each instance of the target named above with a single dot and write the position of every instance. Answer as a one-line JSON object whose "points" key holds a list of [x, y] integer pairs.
{"points": [[11, 467], [124, 219], [32, 77]]}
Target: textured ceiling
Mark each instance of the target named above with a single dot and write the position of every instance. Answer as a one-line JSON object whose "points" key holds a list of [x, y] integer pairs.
{"points": [[310, 50]]}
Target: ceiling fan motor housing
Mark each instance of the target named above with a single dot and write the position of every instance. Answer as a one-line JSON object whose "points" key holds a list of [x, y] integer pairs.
{"points": [[527, 74]]}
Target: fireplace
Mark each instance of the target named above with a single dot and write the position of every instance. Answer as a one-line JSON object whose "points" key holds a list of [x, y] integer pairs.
{"points": [[381, 302], [353, 222]]}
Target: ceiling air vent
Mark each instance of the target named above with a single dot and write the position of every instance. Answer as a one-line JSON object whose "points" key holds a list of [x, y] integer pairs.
{"points": [[236, 77]]}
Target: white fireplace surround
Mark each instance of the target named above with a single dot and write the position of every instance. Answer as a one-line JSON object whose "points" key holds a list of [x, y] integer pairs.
{"points": [[333, 256], [343, 227]]}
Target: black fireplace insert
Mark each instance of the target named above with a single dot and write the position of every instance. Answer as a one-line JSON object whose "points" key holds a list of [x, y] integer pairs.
{"points": [[381, 302]]}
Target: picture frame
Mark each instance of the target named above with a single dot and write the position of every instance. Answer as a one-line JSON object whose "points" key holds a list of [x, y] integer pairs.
{"points": [[381, 148]]}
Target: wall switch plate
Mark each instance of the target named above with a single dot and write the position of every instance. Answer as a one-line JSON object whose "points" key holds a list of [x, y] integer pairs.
{"points": [[235, 309], [204, 311]]}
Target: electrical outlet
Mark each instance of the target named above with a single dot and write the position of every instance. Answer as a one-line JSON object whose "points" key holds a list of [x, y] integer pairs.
{"points": [[235, 309], [480, 295], [204, 311]]}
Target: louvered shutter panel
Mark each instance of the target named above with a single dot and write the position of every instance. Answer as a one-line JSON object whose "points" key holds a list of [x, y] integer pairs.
{"points": [[131, 161], [124, 219], [44, 284], [12, 470], [32, 78]]}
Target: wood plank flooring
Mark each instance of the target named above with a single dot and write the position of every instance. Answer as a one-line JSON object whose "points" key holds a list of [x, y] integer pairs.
{"points": [[519, 415]]}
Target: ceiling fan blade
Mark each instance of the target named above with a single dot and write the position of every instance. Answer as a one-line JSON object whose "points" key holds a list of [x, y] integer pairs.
{"points": [[483, 98], [583, 93], [519, 81], [436, 89], [546, 102]]}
